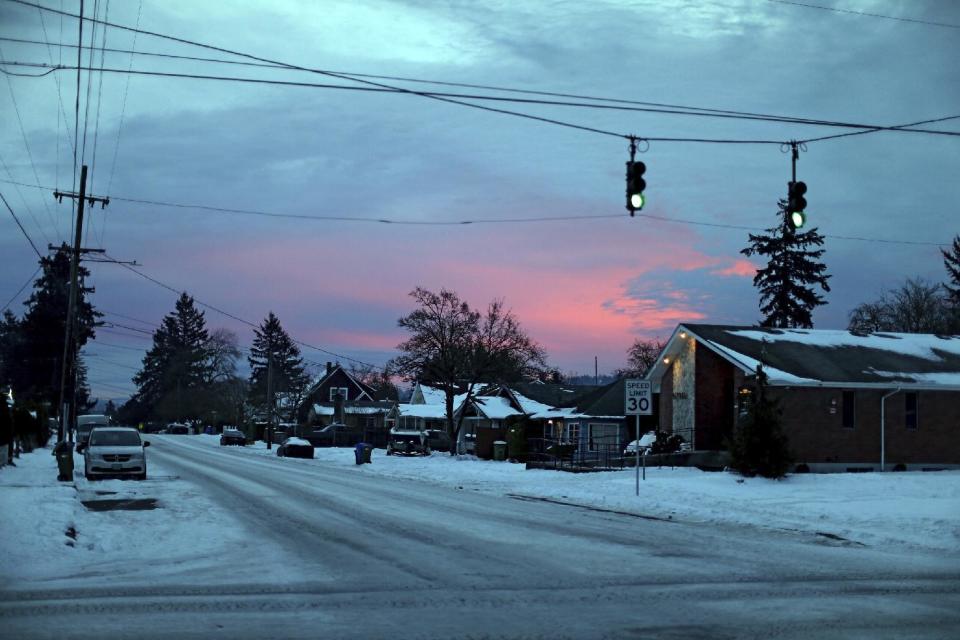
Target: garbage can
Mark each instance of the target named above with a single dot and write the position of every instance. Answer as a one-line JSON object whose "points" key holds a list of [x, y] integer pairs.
{"points": [[358, 453], [64, 452], [499, 450], [367, 451]]}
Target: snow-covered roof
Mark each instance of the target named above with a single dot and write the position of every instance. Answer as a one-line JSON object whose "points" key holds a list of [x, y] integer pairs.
{"points": [[350, 410], [828, 357], [297, 441], [558, 413], [528, 405], [431, 395], [422, 410], [495, 407]]}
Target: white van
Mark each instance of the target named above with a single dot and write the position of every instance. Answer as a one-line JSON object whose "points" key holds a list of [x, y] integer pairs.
{"points": [[88, 422]]}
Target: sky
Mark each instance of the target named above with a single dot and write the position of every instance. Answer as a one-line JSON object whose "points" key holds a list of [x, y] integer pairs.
{"points": [[584, 287]]}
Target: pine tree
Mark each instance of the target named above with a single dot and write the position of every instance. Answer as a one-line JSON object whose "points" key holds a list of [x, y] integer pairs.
{"points": [[9, 349], [759, 446], [177, 368], [39, 351], [951, 260], [289, 378], [787, 297]]}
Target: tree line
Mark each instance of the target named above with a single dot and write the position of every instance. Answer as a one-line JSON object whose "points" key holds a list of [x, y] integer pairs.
{"points": [[190, 373]]}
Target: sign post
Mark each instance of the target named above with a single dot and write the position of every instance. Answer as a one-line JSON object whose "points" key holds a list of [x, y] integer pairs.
{"points": [[638, 401]]}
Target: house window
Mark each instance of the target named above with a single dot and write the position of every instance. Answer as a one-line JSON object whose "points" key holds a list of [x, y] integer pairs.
{"points": [[849, 409], [335, 390], [603, 436], [910, 410], [572, 432]]}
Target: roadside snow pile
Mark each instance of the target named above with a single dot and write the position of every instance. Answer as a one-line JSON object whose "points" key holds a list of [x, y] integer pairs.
{"points": [[46, 534], [908, 509]]}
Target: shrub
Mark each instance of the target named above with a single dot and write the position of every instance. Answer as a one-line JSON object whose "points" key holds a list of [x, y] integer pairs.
{"points": [[517, 441], [667, 442], [759, 446]]}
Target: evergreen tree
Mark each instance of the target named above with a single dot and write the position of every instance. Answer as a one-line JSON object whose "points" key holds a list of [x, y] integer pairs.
{"points": [[759, 446], [9, 349], [289, 378], [39, 349], [951, 260], [177, 368], [787, 296]]}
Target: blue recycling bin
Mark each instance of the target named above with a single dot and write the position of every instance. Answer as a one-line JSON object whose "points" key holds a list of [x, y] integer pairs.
{"points": [[362, 452]]}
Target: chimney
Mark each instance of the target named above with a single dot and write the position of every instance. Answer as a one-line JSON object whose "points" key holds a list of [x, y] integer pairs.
{"points": [[329, 367], [338, 408]]}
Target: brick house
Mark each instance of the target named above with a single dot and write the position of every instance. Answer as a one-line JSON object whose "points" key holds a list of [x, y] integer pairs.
{"points": [[849, 400]]}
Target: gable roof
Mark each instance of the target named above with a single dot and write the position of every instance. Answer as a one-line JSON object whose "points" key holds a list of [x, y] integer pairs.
{"points": [[364, 388], [605, 401], [826, 357], [551, 394]]}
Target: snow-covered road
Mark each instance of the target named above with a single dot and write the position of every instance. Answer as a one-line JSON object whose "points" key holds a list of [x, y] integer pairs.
{"points": [[323, 550]]}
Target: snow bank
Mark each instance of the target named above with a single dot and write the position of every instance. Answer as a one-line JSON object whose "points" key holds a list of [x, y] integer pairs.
{"points": [[910, 509], [47, 535]]}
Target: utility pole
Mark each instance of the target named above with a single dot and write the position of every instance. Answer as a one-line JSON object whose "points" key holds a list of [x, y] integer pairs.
{"points": [[70, 337], [269, 393]]}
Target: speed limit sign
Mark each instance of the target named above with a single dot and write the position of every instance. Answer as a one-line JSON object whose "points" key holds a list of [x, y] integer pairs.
{"points": [[639, 400]]}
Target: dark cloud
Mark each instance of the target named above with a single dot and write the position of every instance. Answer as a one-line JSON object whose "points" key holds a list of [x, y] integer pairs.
{"points": [[583, 287]]}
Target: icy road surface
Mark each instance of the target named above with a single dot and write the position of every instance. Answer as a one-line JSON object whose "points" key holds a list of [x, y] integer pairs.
{"points": [[323, 551]]}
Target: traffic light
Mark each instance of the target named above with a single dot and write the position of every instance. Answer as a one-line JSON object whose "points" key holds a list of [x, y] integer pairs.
{"points": [[796, 203], [635, 186]]}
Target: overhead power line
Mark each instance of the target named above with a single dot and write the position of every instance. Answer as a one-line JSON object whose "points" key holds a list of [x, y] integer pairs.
{"points": [[867, 14], [26, 144], [868, 128], [467, 85], [233, 317], [101, 343], [20, 290], [19, 224], [363, 81], [465, 222]]}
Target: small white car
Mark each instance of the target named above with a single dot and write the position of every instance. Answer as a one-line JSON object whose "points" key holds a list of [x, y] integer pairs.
{"points": [[645, 444], [114, 451]]}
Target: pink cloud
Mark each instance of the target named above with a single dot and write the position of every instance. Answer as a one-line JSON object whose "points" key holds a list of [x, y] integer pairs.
{"points": [[739, 267]]}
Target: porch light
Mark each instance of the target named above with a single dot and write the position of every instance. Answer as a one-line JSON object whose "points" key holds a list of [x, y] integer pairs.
{"points": [[666, 361], [683, 334]]}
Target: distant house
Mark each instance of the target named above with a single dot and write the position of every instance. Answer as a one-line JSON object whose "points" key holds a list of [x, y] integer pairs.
{"points": [[339, 397], [849, 400]]}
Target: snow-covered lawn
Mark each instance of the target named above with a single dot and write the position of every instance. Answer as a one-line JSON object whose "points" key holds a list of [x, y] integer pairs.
{"points": [[185, 535], [908, 509]]}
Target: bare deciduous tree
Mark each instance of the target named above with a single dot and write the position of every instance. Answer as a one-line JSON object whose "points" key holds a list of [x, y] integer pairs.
{"points": [[224, 350], [642, 355], [452, 347], [915, 307], [380, 380]]}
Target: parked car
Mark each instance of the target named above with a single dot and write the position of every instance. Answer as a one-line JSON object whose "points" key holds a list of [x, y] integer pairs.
{"points": [[114, 451], [233, 436], [295, 448], [334, 435], [87, 422], [645, 444], [407, 442], [179, 429], [438, 439]]}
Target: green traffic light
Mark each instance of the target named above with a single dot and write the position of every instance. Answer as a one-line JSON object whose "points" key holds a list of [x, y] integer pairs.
{"points": [[798, 218], [637, 200]]}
